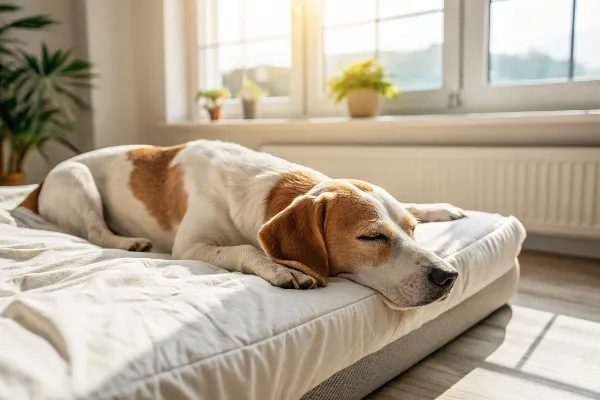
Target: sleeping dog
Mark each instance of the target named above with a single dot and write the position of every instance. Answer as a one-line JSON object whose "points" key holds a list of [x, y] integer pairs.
{"points": [[250, 212]]}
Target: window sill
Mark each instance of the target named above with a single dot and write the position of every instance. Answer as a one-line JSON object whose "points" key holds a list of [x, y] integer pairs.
{"points": [[564, 128]]}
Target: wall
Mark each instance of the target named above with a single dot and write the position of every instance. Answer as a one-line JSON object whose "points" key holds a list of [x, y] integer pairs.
{"points": [[109, 34]]}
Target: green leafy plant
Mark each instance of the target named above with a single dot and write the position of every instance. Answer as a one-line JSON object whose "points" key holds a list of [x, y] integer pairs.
{"points": [[251, 90], [362, 75], [38, 93], [214, 98]]}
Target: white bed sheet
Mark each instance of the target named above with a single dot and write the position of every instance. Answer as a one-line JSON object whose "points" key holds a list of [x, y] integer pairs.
{"points": [[78, 321]]}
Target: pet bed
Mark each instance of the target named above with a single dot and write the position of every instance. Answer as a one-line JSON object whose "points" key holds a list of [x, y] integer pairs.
{"points": [[82, 322]]}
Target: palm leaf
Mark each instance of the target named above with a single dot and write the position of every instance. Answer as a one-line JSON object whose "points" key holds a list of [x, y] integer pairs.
{"points": [[7, 7], [79, 102], [67, 144], [77, 65], [35, 22]]}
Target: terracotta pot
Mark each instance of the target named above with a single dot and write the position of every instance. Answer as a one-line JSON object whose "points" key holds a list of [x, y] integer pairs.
{"points": [[13, 179], [215, 114], [250, 108], [363, 103]]}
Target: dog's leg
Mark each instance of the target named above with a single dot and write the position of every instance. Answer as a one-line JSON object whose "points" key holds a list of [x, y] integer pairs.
{"points": [[70, 199], [195, 240], [248, 259], [437, 212]]}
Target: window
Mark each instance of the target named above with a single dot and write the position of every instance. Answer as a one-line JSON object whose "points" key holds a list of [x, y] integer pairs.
{"points": [[539, 55], [560, 43], [445, 55], [251, 39], [360, 30]]}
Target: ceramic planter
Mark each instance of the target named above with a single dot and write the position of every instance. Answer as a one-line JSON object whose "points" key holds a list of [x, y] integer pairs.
{"points": [[215, 113], [12, 179], [363, 103], [250, 108]]}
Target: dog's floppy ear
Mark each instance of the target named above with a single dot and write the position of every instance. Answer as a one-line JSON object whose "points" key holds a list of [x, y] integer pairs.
{"points": [[295, 237]]}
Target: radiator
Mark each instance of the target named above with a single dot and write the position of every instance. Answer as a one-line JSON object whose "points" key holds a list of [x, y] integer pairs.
{"points": [[553, 191]]}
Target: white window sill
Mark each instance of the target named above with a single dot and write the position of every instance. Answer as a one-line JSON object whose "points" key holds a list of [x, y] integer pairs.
{"points": [[576, 116], [561, 128]]}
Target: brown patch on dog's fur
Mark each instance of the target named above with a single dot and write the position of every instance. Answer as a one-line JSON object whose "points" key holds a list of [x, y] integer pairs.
{"points": [[291, 185], [343, 228], [318, 234], [295, 238], [31, 202], [158, 185]]}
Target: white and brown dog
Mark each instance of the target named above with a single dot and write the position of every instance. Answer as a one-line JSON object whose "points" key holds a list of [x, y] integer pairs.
{"points": [[250, 212]]}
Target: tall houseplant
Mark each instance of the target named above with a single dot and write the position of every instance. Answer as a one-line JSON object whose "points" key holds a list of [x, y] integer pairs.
{"points": [[37, 94], [362, 83]]}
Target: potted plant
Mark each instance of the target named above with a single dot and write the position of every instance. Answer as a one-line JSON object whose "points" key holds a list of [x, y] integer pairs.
{"points": [[213, 101], [250, 94], [37, 95], [362, 83]]}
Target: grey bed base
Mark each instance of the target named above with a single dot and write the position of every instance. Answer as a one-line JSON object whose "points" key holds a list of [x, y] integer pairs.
{"points": [[374, 370]]}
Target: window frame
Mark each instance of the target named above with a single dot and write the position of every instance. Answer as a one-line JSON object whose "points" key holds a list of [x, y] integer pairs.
{"points": [[478, 95], [465, 87], [411, 102], [270, 107]]}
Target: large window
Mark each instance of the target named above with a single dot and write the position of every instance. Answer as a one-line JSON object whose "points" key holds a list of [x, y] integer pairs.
{"points": [[445, 55]]}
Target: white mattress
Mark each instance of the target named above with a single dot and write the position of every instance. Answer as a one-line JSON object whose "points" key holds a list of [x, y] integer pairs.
{"points": [[79, 321]]}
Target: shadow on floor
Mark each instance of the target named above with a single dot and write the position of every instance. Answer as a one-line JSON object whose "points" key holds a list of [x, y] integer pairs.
{"points": [[434, 375]]}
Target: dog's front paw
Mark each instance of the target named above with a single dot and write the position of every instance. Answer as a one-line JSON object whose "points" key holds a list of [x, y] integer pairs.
{"points": [[443, 212], [289, 278], [137, 244]]}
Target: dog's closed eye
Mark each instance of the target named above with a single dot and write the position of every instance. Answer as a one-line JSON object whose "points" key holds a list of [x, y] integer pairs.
{"points": [[372, 237]]}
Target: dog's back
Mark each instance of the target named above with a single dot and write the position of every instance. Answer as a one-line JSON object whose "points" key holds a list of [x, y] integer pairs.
{"points": [[145, 190]]}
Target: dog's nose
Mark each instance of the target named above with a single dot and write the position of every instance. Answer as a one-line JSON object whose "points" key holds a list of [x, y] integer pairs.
{"points": [[442, 277]]}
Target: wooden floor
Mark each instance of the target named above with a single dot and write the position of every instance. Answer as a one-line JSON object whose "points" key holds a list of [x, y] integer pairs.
{"points": [[544, 345]]}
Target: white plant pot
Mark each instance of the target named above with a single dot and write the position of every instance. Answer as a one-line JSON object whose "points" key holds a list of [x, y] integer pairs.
{"points": [[363, 103]]}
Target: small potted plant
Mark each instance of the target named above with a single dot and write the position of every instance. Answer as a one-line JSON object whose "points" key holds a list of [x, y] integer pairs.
{"points": [[361, 83], [213, 101], [251, 93]]}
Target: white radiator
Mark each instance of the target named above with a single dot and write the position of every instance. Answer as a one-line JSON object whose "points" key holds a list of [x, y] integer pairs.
{"points": [[553, 191]]}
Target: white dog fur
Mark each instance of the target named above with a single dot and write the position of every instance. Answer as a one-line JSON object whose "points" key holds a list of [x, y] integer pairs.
{"points": [[250, 212]]}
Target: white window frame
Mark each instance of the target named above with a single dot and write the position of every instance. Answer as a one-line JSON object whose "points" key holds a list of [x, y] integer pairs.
{"points": [[544, 95], [270, 107], [465, 87], [410, 102]]}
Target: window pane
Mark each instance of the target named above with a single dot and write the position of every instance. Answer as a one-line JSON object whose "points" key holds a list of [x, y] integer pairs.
{"points": [[268, 18], [529, 40], [346, 45], [411, 49], [391, 8], [230, 19], [341, 12], [587, 38], [230, 65], [269, 63]]}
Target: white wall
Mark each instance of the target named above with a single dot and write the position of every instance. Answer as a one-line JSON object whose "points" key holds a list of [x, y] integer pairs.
{"points": [[109, 31]]}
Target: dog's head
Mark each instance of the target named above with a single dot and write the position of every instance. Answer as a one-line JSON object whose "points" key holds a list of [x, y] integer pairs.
{"points": [[358, 231]]}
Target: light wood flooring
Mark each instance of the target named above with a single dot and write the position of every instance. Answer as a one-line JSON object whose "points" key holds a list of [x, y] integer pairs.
{"points": [[544, 345]]}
